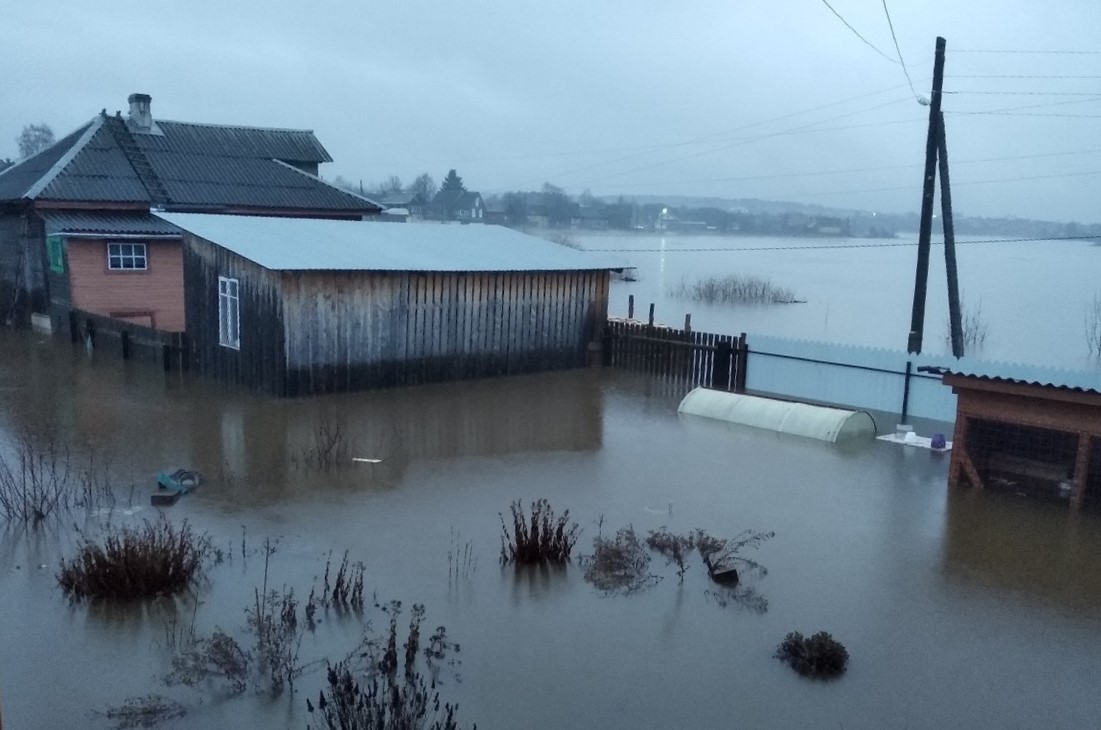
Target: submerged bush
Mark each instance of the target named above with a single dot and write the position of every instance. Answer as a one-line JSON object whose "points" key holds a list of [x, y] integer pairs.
{"points": [[136, 562], [619, 564], [543, 538], [734, 289], [819, 656]]}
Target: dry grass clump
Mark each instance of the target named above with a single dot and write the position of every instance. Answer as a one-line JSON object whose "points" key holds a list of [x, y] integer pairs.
{"points": [[819, 656], [155, 559], [620, 563], [734, 289], [150, 711], [539, 539]]}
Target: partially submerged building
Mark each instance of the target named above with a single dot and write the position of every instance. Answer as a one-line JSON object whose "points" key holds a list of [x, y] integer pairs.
{"points": [[1039, 438], [292, 306], [100, 181]]}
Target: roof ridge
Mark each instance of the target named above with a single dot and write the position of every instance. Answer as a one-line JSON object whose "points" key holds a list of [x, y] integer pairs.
{"points": [[329, 184], [237, 126], [58, 167]]}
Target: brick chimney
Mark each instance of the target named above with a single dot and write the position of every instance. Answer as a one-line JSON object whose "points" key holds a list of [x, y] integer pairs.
{"points": [[141, 115]]}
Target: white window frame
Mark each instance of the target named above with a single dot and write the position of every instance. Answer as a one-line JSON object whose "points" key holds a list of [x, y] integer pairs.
{"points": [[120, 253], [229, 312]]}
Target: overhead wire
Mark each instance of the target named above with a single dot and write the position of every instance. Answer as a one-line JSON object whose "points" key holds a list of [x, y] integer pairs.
{"points": [[698, 140], [824, 246], [857, 33], [898, 50]]}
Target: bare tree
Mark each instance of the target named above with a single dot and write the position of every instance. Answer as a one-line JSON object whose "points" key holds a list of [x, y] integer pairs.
{"points": [[1093, 324], [424, 186], [34, 138]]}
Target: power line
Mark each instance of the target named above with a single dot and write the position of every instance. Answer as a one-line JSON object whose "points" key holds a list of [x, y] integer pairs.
{"points": [[825, 246], [885, 168], [1051, 52], [1018, 76], [746, 140], [1095, 94], [1025, 114], [857, 33], [899, 51], [705, 138]]}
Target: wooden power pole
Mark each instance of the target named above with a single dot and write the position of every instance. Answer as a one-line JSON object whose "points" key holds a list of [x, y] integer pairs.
{"points": [[955, 325], [921, 281]]}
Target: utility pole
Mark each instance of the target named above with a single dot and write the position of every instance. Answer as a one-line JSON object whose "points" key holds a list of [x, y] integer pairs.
{"points": [[921, 281], [955, 325]]}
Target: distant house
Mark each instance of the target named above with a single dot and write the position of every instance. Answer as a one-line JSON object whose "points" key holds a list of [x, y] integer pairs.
{"points": [[299, 306], [590, 218], [496, 213], [413, 203], [458, 205], [98, 184]]}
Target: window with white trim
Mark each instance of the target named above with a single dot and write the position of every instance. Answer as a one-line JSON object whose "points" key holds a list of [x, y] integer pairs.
{"points": [[127, 257], [229, 313]]}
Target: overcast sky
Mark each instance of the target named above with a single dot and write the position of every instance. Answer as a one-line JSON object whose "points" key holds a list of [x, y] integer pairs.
{"points": [[775, 100]]}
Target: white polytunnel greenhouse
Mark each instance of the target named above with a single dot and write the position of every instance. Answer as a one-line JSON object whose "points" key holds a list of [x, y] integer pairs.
{"points": [[800, 419]]}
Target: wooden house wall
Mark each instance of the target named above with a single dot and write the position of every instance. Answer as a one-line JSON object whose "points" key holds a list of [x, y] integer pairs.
{"points": [[153, 296], [260, 363], [22, 262], [355, 330]]}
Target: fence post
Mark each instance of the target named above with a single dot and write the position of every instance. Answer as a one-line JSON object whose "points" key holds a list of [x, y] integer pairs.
{"points": [[630, 306], [651, 320], [74, 327], [124, 336], [741, 365], [166, 356], [606, 345], [720, 371], [688, 323], [906, 390]]}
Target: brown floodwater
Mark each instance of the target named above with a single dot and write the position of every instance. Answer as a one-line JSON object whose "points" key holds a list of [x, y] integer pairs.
{"points": [[958, 608]]}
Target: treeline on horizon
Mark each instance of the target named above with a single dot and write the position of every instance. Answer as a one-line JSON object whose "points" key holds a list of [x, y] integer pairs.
{"points": [[553, 207]]}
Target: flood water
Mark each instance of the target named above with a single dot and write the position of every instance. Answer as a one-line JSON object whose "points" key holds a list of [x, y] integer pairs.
{"points": [[959, 609], [1033, 296]]}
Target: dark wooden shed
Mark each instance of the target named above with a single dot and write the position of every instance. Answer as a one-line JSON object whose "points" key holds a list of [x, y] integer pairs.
{"points": [[300, 306], [1037, 438]]}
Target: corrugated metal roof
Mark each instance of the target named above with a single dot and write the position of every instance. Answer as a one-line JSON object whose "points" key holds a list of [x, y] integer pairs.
{"points": [[1081, 381], [107, 224], [298, 145], [198, 165], [19, 178], [300, 244]]}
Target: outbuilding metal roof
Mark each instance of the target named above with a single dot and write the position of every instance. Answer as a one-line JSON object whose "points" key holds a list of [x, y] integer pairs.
{"points": [[302, 244], [1081, 381], [108, 224]]}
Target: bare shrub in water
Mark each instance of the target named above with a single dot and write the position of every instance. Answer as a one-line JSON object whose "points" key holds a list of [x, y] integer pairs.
{"points": [[330, 446], [389, 699], [149, 711], [219, 657], [734, 289], [156, 559], [543, 538], [973, 326], [40, 480], [819, 656], [1093, 325], [619, 564]]}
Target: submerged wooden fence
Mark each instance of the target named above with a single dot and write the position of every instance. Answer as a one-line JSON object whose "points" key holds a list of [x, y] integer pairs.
{"points": [[679, 357]]}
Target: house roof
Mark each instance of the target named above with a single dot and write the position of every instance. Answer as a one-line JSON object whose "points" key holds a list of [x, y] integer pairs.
{"points": [[182, 165], [107, 224], [455, 199], [302, 244]]}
